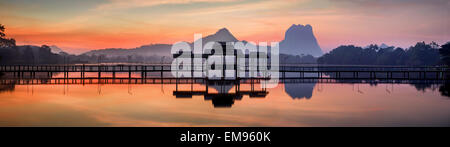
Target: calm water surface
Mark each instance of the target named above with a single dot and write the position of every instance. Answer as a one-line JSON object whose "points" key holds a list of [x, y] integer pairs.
{"points": [[307, 104]]}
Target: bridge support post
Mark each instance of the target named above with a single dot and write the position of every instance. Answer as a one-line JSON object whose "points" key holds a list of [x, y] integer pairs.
{"points": [[145, 71], [162, 74], [129, 72]]}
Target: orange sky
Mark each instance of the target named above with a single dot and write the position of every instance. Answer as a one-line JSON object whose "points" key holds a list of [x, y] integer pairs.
{"points": [[81, 26]]}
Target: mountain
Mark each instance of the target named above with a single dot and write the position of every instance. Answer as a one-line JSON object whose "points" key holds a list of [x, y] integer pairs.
{"points": [[298, 40], [160, 49], [222, 35], [145, 50], [55, 49], [382, 46]]}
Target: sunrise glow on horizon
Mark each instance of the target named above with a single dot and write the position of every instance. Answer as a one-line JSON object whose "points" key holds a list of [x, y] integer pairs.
{"points": [[77, 26]]}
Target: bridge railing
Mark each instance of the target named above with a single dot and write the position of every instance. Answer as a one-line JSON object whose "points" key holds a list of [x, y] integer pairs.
{"points": [[167, 67]]}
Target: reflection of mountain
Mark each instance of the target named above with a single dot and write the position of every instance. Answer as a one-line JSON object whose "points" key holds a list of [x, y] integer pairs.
{"points": [[299, 90]]}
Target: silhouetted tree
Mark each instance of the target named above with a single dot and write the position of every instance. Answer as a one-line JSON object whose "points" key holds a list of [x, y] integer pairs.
{"points": [[423, 54], [5, 42], [445, 53], [445, 58], [28, 55], [347, 55], [45, 55], [420, 54]]}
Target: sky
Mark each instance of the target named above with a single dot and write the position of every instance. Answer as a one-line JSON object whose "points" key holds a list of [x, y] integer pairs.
{"points": [[78, 26]]}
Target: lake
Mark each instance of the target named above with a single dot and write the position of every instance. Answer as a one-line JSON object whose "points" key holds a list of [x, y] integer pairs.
{"points": [[289, 104]]}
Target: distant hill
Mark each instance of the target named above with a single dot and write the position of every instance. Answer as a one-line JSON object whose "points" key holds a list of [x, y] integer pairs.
{"points": [[159, 49], [299, 39], [29, 54], [382, 46], [55, 49], [145, 50], [222, 35]]}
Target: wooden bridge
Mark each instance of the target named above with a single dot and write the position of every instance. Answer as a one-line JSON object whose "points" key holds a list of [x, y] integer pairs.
{"points": [[153, 72]]}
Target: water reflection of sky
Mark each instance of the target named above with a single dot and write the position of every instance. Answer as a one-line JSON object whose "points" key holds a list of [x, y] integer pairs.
{"points": [[287, 105]]}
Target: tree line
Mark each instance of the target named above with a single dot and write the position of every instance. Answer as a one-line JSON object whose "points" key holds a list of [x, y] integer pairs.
{"points": [[421, 54]]}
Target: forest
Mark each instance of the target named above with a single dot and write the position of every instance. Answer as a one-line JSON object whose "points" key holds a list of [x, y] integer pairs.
{"points": [[421, 54]]}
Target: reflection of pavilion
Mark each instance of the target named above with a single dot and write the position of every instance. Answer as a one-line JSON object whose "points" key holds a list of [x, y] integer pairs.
{"points": [[223, 97]]}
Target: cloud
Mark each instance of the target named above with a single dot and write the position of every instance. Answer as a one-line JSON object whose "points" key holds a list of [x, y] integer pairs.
{"points": [[381, 5], [245, 7], [121, 4]]}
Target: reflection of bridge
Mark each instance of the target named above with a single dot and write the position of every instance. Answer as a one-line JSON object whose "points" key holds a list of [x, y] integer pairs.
{"points": [[159, 74], [286, 72], [56, 81]]}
